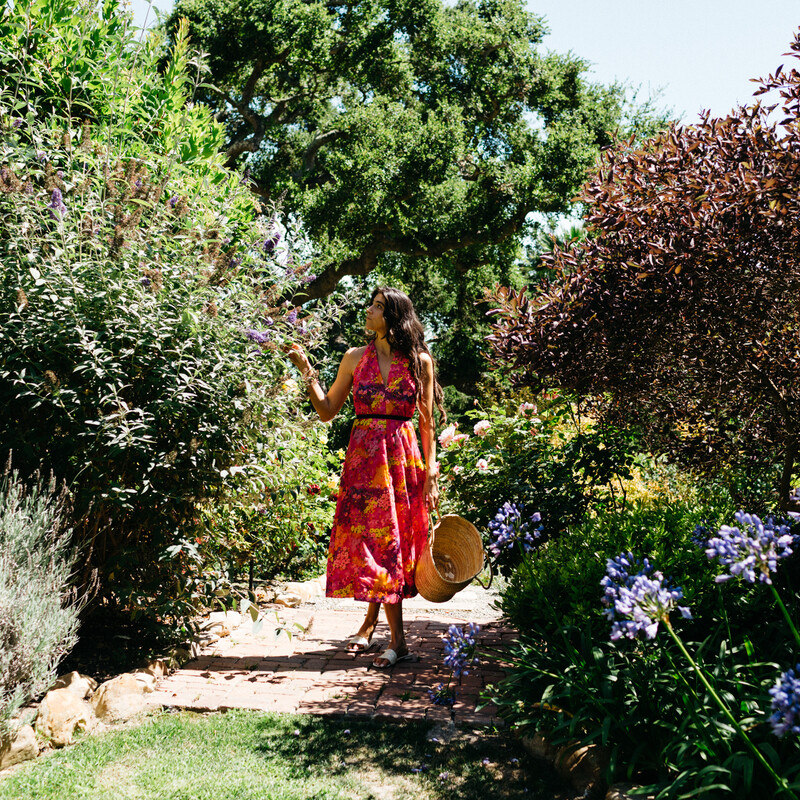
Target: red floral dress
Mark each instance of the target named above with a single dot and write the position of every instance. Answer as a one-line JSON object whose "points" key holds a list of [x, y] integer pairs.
{"points": [[381, 522]]}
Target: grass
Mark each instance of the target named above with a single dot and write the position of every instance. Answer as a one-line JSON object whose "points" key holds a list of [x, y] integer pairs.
{"points": [[249, 755]]}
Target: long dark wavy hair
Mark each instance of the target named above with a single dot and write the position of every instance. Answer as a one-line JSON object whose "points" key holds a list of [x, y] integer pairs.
{"points": [[404, 333]]}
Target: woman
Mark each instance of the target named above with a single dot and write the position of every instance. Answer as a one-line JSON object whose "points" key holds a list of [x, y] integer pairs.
{"points": [[381, 524]]}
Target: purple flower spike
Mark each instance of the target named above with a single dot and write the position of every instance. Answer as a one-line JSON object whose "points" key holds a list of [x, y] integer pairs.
{"points": [[785, 695], [291, 317], [56, 205], [751, 551], [459, 648], [637, 603], [257, 336], [509, 529]]}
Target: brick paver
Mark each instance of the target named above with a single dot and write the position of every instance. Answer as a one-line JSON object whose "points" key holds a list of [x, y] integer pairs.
{"points": [[311, 673]]}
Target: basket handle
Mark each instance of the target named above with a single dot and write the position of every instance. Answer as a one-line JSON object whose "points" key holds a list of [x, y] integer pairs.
{"points": [[477, 580]]}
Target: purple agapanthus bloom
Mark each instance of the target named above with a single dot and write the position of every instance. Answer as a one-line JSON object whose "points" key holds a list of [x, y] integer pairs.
{"points": [[257, 336], [459, 648], [509, 529], [785, 695], [637, 601], [751, 551], [442, 695], [56, 204], [701, 535]]}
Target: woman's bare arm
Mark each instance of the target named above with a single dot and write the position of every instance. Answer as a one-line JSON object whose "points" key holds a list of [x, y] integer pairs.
{"points": [[427, 431], [328, 404]]}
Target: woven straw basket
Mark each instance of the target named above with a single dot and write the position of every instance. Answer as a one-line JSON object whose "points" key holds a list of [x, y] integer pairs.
{"points": [[454, 556]]}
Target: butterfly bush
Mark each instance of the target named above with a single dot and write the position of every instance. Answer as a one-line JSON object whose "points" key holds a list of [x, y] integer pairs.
{"points": [[510, 528], [637, 598], [752, 550]]}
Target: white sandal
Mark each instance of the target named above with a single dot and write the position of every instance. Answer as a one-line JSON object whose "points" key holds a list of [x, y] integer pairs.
{"points": [[358, 644], [392, 657]]}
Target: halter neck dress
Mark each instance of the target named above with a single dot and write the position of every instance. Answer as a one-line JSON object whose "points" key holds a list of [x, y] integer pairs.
{"points": [[381, 523]]}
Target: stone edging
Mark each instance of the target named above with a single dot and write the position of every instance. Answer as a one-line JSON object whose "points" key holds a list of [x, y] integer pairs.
{"points": [[581, 765]]}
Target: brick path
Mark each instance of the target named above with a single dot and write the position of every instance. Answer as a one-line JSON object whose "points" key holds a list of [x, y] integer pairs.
{"points": [[311, 673]]}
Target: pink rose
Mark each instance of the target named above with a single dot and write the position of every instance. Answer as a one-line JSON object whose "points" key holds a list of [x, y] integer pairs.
{"points": [[447, 435], [525, 408], [481, 427], [482, 464], [457, 469]]}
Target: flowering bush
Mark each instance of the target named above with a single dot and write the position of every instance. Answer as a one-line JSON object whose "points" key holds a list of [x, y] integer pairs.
{"points": [[575, 676], [134, 265], [547, 460]]}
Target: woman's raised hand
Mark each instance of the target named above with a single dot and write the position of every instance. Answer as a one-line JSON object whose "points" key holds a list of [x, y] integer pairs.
{"points": [[297, 356]]}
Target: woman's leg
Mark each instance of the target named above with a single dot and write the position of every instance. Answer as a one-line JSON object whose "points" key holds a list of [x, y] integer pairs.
{"points": [[394, 616], [368, 626]]}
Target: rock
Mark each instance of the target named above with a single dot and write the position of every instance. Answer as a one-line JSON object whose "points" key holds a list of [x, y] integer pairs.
{"points": [[289, 599], [61, 713], [82, 685], [539, 747], [582, 765], [223, 622], [624, 791], [158, 668], [179, 656], [119, 699], [146, 679], [19, 746]]}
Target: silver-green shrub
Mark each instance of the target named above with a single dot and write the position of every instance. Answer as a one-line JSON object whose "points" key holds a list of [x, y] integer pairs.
{"points": [[38, 611]]}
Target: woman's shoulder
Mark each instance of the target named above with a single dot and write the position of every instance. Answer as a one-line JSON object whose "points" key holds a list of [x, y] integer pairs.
{"points": [[353, 355]]}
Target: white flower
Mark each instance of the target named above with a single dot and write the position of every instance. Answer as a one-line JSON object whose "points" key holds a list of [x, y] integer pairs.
{"points": [[289, 385], [525, 408], [481, 427], [482, 464], [447, 435]]}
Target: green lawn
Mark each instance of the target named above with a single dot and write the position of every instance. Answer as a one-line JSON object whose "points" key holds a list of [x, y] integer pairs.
{"points": [[248, 755]]}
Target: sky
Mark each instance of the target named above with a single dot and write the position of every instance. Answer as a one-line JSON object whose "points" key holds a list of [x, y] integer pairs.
{"points": [[701, 54]]}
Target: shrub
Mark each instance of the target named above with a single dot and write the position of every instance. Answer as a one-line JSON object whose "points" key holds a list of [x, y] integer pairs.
{"points": [[553, 461], [660, 723], [139, 303], [38, 611]]}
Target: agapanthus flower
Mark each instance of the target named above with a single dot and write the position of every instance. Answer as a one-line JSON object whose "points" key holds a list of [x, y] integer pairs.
{"points": [[752, 550], [785, 705], [56, 205], [701, 536], [636, 602], [442, 695], [511, 528], [459, 648]]}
